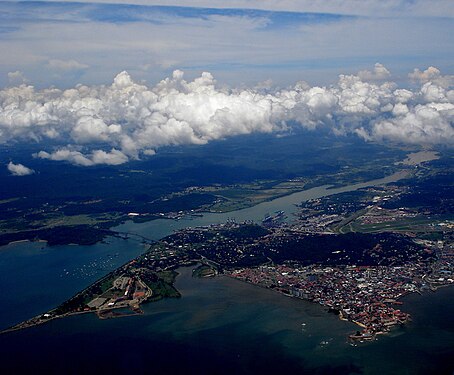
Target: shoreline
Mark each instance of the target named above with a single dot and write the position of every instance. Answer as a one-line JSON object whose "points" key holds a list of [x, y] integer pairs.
{"points": [[365, 336], [38, 320], [30, 323], [400, 174]]}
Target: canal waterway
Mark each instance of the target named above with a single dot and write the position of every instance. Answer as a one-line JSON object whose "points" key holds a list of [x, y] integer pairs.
{"points": [[157, 229], [36, 278], [219, 325]]}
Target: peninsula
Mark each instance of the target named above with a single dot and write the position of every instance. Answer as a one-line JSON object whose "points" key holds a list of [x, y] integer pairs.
{"points": [[356, 253], [359, 276]]}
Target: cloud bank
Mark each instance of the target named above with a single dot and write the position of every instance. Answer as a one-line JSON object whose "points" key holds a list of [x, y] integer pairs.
{"points": [[111, 124], [19, 169]]}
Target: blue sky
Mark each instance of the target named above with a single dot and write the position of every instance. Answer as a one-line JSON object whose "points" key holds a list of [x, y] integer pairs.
{"points": [[64, 43]]}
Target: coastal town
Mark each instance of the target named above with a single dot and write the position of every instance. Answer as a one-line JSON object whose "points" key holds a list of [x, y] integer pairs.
{"points": [[367, 296], [362, 284], [355, 253]]}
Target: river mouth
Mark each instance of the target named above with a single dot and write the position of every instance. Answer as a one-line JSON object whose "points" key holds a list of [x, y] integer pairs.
{"points": [[159, 228]]}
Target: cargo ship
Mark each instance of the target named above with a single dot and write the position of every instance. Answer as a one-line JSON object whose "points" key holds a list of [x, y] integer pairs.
{"points": [[278, 215]]}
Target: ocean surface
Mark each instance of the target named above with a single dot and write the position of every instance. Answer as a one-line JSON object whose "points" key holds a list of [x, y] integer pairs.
{"points": [[223, 326], [219, 326]]}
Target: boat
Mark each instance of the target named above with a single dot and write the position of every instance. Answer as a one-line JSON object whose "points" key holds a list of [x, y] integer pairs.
{"points": [[272, 218]]}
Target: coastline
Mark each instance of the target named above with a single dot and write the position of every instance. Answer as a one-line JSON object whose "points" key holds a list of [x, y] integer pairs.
{"points": [[400, 175], [111, 231], [28, 324], [363, 336]]}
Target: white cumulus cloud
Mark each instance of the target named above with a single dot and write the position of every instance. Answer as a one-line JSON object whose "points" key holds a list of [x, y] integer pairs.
{"points": [[111, 124], [19, 169], [113, 157], [379, 73]]}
